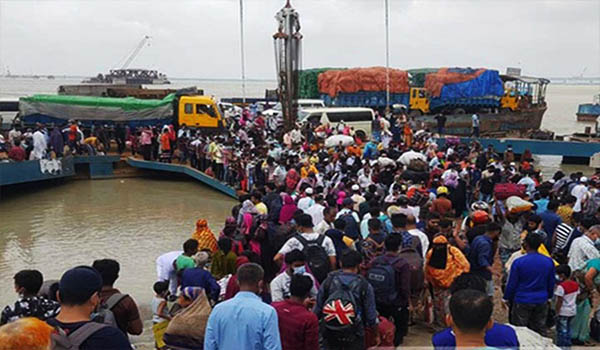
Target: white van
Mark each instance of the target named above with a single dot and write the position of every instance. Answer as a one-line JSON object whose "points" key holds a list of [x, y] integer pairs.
{"points": [[358, 118], [302, 104]]}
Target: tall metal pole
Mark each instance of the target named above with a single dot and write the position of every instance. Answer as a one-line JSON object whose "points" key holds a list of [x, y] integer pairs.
{"points": [[387, 56], [242, 52]]}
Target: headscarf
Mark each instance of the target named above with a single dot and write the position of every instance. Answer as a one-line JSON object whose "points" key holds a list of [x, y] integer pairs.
{"points": [[230, 227], [287, 210], [456, 263], [192, 293], [291, 179], [205, 237]]}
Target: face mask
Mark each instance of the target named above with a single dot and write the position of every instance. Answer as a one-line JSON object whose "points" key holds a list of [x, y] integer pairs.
{"points": [[300, 270]]}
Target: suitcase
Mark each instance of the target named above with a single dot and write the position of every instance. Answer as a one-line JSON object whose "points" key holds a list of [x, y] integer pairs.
{"points": [[503, 191]]}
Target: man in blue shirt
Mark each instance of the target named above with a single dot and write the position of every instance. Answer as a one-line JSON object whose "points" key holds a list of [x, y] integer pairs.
{"points": [[244, 322], [550, 221], [530, 286], [481, 255], [499, 336]]}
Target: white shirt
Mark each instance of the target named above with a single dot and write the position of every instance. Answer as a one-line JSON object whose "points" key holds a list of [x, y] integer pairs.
{"points": [[475, 119], [280, 286], [569, 306], [364, 225], [293, 243], [322, 227], [582, 249], [423, 238], [527, 181], [316, 213], [305, 203], [164, 265], [578, 192]]}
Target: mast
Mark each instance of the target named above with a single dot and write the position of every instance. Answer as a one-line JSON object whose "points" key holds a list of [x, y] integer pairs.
{"points": [[287, 43], [387, 56], [242, 52]]}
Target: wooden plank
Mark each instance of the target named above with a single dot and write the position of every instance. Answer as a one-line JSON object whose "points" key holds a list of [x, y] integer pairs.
{"points": [[184, 169]]}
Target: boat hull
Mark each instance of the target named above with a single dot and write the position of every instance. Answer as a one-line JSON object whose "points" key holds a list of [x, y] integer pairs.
{"points": [[584, 117], [505, 122]]}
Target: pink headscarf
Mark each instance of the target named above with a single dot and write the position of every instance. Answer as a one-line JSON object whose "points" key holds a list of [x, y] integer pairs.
{"points": [[341, 195], [287, 210]]}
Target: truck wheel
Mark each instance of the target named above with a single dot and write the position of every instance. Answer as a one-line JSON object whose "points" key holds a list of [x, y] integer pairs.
{"points": [[361, 135], [458, 111], [415, 113]]}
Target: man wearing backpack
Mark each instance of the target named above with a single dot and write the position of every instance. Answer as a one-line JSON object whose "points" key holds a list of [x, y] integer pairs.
{"points": [[389, 275], [78, 293], [345, 306], [399, 228], [318, 249], [123, 307], [351, 218]]}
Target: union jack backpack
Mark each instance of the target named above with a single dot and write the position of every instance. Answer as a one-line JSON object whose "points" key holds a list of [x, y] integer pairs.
{"points": [[341, 311]]}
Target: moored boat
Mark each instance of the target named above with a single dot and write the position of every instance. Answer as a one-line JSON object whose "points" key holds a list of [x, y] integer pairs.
{"points": [[588, 112]]}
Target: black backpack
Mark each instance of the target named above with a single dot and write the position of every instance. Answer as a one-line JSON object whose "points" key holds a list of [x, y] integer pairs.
{"points": [[595, 326], [382, 277], [316, 256], [341, 318], [352, 229]]}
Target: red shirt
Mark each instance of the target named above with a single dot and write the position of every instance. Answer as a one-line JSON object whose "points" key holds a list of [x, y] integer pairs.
{"points": [[298, 327], [17, 154]]}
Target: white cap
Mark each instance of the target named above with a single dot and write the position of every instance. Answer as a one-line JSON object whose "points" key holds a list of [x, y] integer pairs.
{"points": [[309, 191], [583, 179], [355, 187]]}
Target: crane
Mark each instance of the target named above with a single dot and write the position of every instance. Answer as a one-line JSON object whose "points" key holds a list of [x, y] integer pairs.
{"points": [[135, 52]]}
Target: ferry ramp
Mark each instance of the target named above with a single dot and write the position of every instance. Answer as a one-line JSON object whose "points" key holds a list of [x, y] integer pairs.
{"points": [[183, 169]]}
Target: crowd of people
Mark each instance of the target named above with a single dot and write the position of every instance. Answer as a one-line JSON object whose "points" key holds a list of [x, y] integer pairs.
{"points": [[347, 246]]}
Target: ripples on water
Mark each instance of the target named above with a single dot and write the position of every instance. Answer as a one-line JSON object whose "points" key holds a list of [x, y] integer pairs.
{"points": [[54, 228]]}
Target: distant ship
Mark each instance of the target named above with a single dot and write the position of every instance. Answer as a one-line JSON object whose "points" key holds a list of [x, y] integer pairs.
{"points": [[130, 76]]}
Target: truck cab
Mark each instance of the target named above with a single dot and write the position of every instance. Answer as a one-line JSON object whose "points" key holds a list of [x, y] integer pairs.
{"points": [[418, 102], [199, 112]]}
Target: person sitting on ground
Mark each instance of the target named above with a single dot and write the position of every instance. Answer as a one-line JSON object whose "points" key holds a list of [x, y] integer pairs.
{"points": [[188, 325], [27, 285], [79, 296], [125, 309], [298, 327], [200, 277], [27, 333], [223, 262], [295, 265], [499, 336], [470, 317]]}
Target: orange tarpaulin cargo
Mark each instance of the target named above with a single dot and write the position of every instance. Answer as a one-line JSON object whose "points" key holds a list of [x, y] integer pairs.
{"points": [[354, 80]]}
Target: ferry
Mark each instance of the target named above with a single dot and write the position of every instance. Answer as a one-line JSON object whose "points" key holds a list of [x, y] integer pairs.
{"points": [[588, 112], [130, 76]]}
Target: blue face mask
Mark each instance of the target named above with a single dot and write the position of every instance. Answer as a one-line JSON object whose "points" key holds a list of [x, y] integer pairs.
{"points": [[300, 270]]}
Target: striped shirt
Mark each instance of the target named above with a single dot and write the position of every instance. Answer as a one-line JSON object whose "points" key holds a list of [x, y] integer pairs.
{"points": [[563, 232]]}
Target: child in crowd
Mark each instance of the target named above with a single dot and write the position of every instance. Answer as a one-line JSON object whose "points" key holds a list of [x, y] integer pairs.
{"points": [[160, 313], [566, 297]]}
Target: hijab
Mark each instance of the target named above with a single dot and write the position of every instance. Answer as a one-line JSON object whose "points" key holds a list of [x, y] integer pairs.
{"points": [[288, 209], [439, 254]]}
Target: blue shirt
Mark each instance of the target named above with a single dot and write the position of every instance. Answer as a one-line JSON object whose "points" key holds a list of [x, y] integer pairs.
{"points": [[481, 255], [199, 277], [551, 220], [542, 205], [531, 279], [242, 323], [499, 336]]}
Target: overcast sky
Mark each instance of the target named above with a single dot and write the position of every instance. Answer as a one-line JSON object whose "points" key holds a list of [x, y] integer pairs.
{"points": [[201, 38]]}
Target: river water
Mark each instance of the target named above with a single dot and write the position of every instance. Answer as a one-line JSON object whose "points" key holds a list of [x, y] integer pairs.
{"points": [[134, 220]]}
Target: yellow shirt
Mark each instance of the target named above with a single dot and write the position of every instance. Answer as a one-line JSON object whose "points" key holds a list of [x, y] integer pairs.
{"points": [[304, 171], [262, 208]]}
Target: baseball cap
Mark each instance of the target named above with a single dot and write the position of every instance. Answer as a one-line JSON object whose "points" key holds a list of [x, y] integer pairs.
{"points": [[583, 179], [442, 190], [78, 284]]}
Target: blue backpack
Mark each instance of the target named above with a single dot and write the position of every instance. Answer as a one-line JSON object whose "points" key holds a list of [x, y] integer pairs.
{"points": [[382, 277], [352, 229]]}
